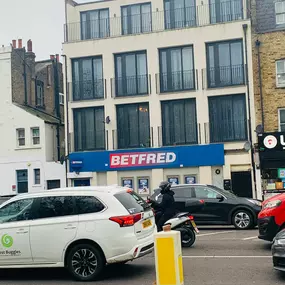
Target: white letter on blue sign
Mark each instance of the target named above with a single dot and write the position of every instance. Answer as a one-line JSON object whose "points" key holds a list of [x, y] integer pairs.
{"points": [[170, 157]]}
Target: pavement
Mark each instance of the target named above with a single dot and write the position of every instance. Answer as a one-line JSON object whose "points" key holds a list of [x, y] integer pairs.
{"points": [[220, 256]]}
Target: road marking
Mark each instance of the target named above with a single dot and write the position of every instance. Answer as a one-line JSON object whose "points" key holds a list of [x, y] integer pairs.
{"points": [[218, 233], [230, 256], [249, 238]]}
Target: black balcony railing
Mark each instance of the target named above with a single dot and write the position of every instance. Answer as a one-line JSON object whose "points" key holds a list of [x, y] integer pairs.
{"points": [[183, 18], [87, 90], [223, 76], [176, 81], [130, 85]]}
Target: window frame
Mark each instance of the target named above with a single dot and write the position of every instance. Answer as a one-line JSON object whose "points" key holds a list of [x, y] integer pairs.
{"points": [[37, 176], [83, 129], [21, 138], [19, 182], [169, 68], [277, 13], [171, 103], [81, 81], [210, 189], [92, 196], [217, 60], [88, 28], [276, 71], [129, 22], [61, 99], [40, 98], [35, 137], [279, 118]]}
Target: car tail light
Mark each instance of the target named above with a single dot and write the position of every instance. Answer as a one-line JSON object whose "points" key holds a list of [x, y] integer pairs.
{"points": [[202, 201], [191, 217], [135, 252], [126, 221]]}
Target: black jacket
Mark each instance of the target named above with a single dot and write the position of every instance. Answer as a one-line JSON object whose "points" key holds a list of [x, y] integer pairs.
{"points": [[167, 205]]}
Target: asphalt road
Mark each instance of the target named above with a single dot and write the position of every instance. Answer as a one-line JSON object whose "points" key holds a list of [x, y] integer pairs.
{"points": [[221, 256]]}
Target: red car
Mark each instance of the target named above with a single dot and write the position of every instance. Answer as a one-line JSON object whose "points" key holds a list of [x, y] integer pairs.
{"points": [[271, 218]]}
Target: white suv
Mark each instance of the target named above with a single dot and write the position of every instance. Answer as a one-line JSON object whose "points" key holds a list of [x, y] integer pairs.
{"points": [[82, 229]]}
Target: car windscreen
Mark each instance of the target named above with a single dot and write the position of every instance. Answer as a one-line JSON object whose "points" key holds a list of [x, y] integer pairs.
{"points": [[132, 202], [224, 192]]}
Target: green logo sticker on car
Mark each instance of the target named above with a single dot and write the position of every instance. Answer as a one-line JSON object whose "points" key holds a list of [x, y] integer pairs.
{"points": [[7, 241]]}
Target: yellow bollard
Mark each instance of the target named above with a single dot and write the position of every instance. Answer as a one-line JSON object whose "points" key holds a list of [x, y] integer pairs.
{"points": [[168, 257]]}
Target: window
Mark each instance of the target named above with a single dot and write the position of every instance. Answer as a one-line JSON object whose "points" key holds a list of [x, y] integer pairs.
{"points": [[88, 205], [89, 129], [61, 99], [280, 12], [205, 193], [225, 10], [133, 125], [53, 184], [179, 123], [36, 136], [131, 74], [21, 137], [51, 207], [225, 64], [136, 19], [37, 176], [40, 94], [182, 192], [281, 117], [228, 119], [22, 181], [95, 24], [280, 73], [88, 82], [16, 211], [179, 13], [176, 69]]}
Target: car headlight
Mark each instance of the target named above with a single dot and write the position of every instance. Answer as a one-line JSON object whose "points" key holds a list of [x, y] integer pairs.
{"points": [[255, 202], [279, 241], [272, 204]]}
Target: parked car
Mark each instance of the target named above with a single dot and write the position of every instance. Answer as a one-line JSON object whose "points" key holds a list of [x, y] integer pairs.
{"points": [[278, 251], [221, 207], [271, 219], [82, 229]]}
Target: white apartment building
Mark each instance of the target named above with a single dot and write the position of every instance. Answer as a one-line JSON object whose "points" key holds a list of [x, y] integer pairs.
{"points": [[28, 146], [158, 90]]}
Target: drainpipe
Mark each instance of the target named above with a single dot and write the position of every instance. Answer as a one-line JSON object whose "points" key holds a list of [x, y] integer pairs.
{"points": [[245, 26], [257, 44]]}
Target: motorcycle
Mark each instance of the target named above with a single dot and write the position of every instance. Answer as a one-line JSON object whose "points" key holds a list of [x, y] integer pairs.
{"points": [[184, 222]]}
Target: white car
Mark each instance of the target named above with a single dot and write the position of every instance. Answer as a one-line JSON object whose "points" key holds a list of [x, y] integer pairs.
{"points": [[82, 229]]}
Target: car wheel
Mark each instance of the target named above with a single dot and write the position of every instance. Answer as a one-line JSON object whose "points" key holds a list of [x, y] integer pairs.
{"points": [[85, 262], [242, 220]]}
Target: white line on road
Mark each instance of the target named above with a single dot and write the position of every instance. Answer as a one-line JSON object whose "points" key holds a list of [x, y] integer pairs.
{"points": [[249, 238], [230, 256], [217, 233]]}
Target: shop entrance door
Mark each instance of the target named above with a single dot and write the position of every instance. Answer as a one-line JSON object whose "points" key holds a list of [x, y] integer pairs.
{"points": [[81, 182], [241, 184]]}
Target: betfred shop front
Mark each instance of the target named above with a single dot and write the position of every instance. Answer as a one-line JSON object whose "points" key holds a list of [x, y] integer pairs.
{"points": [[272, 162], [143, 169]]}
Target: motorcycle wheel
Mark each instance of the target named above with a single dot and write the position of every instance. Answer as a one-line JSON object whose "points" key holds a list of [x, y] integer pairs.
{"points": [[188, 236]]}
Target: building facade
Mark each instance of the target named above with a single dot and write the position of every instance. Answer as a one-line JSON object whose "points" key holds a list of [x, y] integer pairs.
{"points": [[31, 119], [268, 26], [160, 90]]}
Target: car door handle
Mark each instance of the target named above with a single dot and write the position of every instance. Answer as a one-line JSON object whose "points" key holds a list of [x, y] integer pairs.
{"points": [[70, 227], [22, 231]]}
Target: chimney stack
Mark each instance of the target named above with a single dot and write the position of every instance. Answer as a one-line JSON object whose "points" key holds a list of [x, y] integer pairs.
{"points": [[57, 57], [14, 44], [52, 57], [30, 46], [20, 43]]}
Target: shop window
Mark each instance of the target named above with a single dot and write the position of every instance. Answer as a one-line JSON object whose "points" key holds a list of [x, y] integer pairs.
{"points": [[281, 120]]}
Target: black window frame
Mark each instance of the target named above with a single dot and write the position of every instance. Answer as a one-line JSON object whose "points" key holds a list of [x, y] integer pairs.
{"points": [[216, 68], [129, 21], [85, 196], [221, 136], [88, 28], [123, 131], [40, 97], [170, 104], [26, 181], [125, 79], [84, 129], [169, 72], [81, 81], [37, 176]]}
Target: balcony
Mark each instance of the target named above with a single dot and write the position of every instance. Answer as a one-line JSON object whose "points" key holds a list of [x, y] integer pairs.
{"points": [[185, 18], [224, 76], [176, 81], [87, 90], [131, 86]]}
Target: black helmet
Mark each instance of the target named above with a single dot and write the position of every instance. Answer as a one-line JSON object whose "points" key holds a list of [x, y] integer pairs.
{"points": [[164, 186]]}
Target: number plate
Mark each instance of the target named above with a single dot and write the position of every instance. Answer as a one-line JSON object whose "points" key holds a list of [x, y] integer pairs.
{"points": [[194, 226], [146, 224]]}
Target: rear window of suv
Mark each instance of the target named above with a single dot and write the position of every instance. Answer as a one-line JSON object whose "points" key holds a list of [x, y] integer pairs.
{"points": [[132, 202]]}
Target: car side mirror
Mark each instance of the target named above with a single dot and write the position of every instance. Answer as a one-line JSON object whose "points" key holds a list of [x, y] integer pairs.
{"points": [[220, 197]]}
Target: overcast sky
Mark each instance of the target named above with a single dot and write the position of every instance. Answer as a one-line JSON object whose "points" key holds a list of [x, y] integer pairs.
{"points": [[39, 20]]}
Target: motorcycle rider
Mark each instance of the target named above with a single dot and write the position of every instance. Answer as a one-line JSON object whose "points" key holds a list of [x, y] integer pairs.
{"points": [[167, 205]]}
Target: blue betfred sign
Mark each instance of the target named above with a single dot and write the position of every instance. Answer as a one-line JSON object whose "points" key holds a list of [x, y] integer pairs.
{"points": [[148, 158]]}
